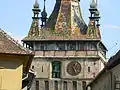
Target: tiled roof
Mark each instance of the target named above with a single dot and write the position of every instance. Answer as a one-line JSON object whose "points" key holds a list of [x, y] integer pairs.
{"points": [[65, 23], [9, 45], [113, 61]]}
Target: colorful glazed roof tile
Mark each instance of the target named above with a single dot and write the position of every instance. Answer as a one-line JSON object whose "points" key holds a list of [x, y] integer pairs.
{"points": [[9, 46], [65, 23]]}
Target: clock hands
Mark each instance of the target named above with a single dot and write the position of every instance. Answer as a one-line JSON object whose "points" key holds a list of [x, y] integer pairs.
{"points": [[75, 67]]}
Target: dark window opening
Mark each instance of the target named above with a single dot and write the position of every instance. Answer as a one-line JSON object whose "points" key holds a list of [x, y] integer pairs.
{"points": [[71, 46], [51, 46], [37, 85], [81, 46], [37, 46], [46, 85], [94, 62], [88, 69], [84, 85], [74, 85], [56, 85], [43, 46], [65, 85], [42, 68], [91, 46], [56, 69], [60, 46]]}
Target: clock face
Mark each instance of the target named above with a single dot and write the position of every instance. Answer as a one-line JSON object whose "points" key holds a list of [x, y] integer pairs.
{"points": [[74, 68]]}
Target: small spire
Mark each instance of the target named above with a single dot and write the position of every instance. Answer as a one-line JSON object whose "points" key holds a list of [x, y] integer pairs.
{"points": [[44, 15], [36, 5], [96, 2], [93, 9], [36, 10], [95, 15], [93, 4]]}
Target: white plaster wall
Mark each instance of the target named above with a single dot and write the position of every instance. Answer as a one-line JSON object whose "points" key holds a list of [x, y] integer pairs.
{"points": [[42, 68], [85, 63]]}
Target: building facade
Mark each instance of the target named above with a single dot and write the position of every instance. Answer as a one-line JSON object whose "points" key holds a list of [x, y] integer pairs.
{"points": [[68, 53], [15, 62], [109, 77]]}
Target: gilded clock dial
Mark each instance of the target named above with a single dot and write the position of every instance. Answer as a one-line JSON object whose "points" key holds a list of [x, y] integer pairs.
{"points": [[74, 68]]}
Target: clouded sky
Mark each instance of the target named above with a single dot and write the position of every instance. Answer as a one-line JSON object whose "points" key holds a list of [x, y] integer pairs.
{"points": [[16, 18]]}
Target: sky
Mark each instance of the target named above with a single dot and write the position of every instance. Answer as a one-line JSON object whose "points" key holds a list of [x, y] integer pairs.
{"points": [[16, 18]]}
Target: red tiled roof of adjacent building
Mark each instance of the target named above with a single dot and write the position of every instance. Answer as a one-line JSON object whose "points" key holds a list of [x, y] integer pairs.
{"points": [[9, 46]]}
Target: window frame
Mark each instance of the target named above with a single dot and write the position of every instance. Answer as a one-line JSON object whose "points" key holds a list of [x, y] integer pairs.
{"points": [[37, 84], [56, 74], [65, 85], [55, 85], [70, 44], [117, 83], [74, 85], [46, 85]]}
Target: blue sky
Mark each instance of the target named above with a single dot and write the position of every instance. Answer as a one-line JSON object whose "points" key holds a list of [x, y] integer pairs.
{"points": [[15, 19]]}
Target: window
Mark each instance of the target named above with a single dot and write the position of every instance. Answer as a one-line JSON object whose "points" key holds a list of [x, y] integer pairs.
{"points": [[117, 85], [46, 85], [42, 68], [71, 46], [84, 85], [43, 46], [51, 46], [60, 46], [56, 69], [88, 69], [65, 85], [74, 85], [37, 85], [40, 46], [81, 46], [56, 85], [102, 50], [37, 46], [91, 46]]}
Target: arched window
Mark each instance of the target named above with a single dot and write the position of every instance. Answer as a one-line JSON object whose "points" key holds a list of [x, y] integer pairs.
{"points": [[56, 69]]}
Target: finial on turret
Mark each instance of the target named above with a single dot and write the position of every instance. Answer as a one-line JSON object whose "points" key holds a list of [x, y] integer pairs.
{"points": [[36, 5], [44, 15], [93, 10], [95, 15], [93, 4], [36, 10]]}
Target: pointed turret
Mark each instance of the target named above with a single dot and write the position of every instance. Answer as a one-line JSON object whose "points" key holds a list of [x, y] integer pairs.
{"points": [[93, 27], [34, 29], [65, 22], [44, 16]]}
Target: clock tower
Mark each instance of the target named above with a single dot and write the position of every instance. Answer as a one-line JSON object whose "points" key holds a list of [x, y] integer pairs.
{"points": [[68, 52]]}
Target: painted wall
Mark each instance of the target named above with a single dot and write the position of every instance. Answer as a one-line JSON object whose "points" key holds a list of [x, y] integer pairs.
{"points": [[11, 74], [43, 67]]}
